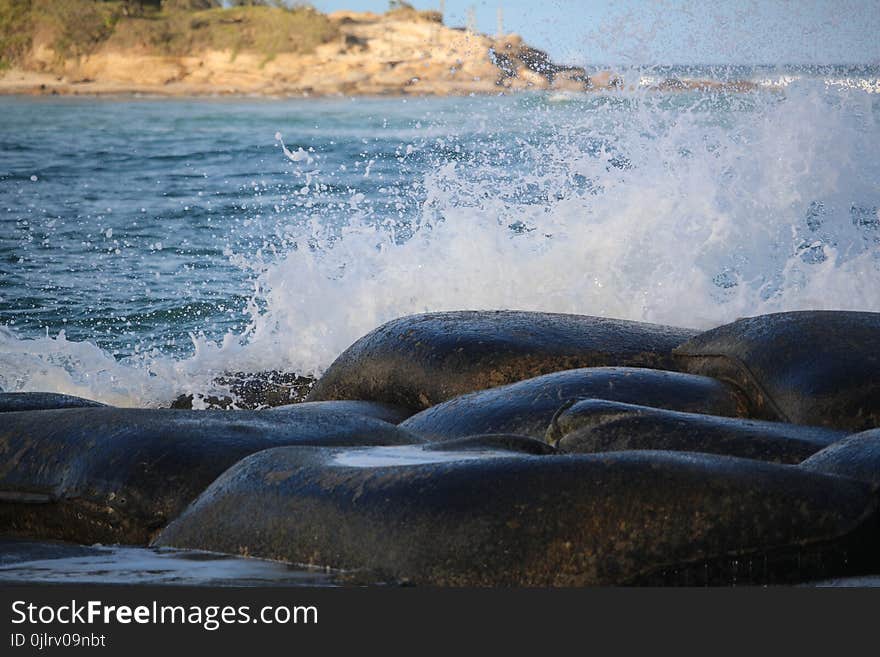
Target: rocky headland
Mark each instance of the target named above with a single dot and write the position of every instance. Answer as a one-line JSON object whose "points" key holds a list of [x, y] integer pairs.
{"points": [[271, 51]]}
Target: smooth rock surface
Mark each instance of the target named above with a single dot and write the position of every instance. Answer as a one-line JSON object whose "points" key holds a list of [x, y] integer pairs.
{"points": [[527, 407], [11, 402], [117, 475], [422, 360], [595, 425], [491, 442], [376, 410], [857, 456], [502, 519], [820, 368]]}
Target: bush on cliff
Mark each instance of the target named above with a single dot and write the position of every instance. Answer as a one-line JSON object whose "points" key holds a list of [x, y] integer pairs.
{"points": [[75, 28]]}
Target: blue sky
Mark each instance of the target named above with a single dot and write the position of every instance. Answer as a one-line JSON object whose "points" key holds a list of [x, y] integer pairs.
{"points": [[675, 31]]}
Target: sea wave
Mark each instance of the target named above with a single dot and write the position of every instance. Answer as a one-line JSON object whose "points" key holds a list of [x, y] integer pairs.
{"points": [[684, 209]]}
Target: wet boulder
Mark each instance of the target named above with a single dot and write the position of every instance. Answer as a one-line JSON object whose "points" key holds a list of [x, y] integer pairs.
{"points": [[422, 360], [818, 368], [857, 456], [117, 475], [488, 442], [11, 402], [527, 407], [376, 410], [497, 518], [596, 425]]}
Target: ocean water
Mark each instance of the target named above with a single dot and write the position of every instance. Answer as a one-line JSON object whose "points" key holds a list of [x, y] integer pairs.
{"points": [[149, 245], [50, 562]]}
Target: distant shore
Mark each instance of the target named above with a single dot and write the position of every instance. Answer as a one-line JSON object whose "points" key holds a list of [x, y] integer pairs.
{"points": [[218, 52], [19, 82], [88, 48]]}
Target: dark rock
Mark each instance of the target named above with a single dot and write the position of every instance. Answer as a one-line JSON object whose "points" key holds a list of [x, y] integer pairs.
{"points": [[261, 389], [422, 360], [820, 368], [36, 401], [595, 425], [527, 407], [857, 456], [462, 519], [186, 402], [384, 412], [253, 390], [117, 475], [493, 441]]}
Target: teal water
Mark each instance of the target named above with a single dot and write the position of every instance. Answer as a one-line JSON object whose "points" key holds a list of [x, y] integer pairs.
{"points": [[148, 245], [120, 215]]}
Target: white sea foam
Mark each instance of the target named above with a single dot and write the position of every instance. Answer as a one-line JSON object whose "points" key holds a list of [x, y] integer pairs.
{"points": [[677, 216], [700, 225]]}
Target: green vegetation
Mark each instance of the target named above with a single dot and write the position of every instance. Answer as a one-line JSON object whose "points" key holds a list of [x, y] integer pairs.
{"points": [[73, 28], [260, 29], [15, 28], [400, 10]]}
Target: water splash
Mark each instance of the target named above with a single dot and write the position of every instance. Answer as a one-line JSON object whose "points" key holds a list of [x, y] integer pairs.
{"points": [[689, 209], [637, 208]]}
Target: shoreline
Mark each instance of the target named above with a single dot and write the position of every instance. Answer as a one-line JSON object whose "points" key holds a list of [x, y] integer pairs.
{"points": [[21, 83], [161, 92]]}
